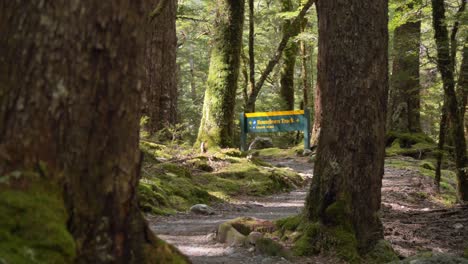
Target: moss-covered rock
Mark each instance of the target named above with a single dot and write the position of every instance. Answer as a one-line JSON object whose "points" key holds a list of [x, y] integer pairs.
{"points": [[290, 223], [168, 187], [270, 247], [33, 222], [406, 140]]}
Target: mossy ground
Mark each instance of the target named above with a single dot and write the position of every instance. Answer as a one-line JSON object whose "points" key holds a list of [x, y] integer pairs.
{"points": [[448, 192], [33, 221], [180, 180]]}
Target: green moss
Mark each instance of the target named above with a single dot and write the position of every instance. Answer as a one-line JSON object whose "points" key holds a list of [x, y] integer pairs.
{"points": [[427, 165], [336, 213], [245, 177], [345, 244], [270, 247], [33, 226], [275, 152], [167, 188], [465, 253], [290, 223], [408, 139], [381, 253], [305, 245], [317, 238], [178, 170]]}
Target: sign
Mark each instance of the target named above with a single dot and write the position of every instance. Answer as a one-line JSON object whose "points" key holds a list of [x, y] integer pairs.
{"points": [[281, 121]]}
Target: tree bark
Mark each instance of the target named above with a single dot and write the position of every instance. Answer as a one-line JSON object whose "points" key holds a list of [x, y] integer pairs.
{"points": [[404, 102], [161, 74], [216, 126], [289, 59], [446, 69], [353, 82], [70, 101]]}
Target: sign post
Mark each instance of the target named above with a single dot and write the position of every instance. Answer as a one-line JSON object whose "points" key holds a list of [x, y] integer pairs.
{"points": [[280, 121]]}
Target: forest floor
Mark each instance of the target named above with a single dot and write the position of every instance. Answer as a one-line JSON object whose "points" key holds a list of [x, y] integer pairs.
{"points": [[414, 221]]}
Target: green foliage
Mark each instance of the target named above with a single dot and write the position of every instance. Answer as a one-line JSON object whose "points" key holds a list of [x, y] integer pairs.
{"points": [[33, 226]]}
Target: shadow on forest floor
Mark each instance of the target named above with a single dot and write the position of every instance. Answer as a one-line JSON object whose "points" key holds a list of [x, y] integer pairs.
{"points": [[413, 221]]}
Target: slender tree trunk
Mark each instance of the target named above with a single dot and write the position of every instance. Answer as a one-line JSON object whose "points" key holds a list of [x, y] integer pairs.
{"points": [[446, 69], [251, 51], [193, 87], [316, 128], [345, 192], [305, 70], [70, 101], [216, 126], [440, 145], [289, 59], [161, 87], [404, 101], [462, 90]]}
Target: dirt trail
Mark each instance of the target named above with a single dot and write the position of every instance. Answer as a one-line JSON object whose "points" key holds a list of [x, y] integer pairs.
{"points": [[412, 222]]}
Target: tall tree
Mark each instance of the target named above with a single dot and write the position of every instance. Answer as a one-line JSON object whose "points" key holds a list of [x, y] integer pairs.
{"points": [[445, 64], [289, 59], [216, 126], [404, 100], [69, 111], [353, 81], [161, 73]]}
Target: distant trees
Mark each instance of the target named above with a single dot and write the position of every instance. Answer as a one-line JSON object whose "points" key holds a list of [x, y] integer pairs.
{"points": [[344, 197], [404, 99], [69, 112], [161, 70], [216, 126]]}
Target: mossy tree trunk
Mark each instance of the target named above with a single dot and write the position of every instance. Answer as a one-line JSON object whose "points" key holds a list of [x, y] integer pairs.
{"points": [[404, 100], [217, 126], [161, 70], [345, 193], [289, 59], [445, 64], [69, 108]]}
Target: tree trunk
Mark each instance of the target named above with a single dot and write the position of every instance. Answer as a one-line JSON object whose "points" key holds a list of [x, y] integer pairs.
{"points": [[446, 69], [69, 110], [251, 52], [161, 87], [353, 82], [404, 101], [305, 70], [440, 145], [289, 59], [216, 126]]}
